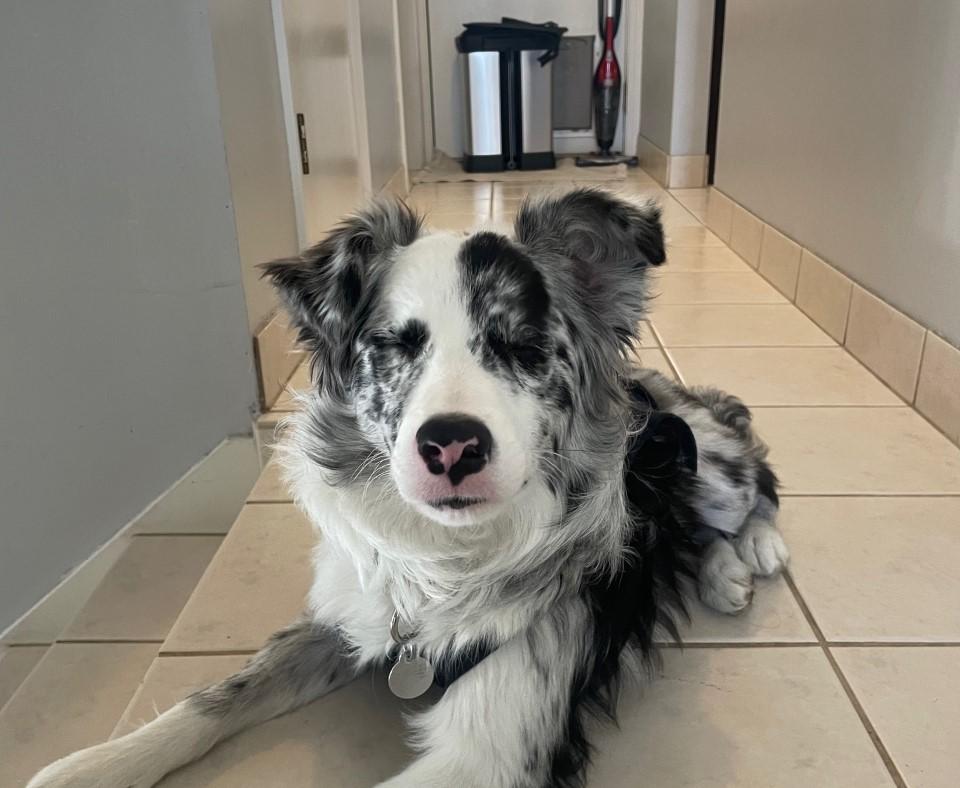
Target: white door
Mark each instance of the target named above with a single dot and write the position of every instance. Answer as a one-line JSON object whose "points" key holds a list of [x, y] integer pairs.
{"points": [[314, 51]]}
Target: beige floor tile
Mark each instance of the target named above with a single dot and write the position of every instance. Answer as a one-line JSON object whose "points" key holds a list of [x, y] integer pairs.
{"points": [[858, 451], [724, 325], [780, 261], [270, 487], [449, 203], [15, 665], [255, 585], [440, 191], [71, 700], [674, 216], [143, 593], [705, 258], [692, 199], [824, 294], [171, 679], [773, 617], [785, 376], [912, 697], [887, 341], [757, 717], [938, 390], [746, 235], [353, 738], [877, 569], [719, 214], [208, 499], [45, 622], [713, 287], [517, 191], [456, 221], [692, 236], [655, 358]]}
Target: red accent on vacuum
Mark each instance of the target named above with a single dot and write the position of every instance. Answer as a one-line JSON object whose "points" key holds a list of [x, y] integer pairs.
{"points": [[606, 90]]}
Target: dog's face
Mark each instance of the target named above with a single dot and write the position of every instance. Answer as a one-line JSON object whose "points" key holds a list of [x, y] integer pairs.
{"points": [[467, 365]]}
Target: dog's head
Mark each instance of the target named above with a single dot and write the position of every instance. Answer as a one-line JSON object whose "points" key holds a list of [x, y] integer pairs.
{"points": [[471, 366]]}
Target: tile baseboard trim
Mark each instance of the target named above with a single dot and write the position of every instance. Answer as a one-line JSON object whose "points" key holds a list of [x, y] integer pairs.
{"points": [[277, 356], [949, 428], [672, 172], [119, 541]]}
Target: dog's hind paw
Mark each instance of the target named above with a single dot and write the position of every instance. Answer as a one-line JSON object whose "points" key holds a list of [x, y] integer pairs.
{"points": [[761, 547], [725, 582]]}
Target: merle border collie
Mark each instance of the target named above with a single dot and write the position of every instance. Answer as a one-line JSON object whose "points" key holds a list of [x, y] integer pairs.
{"points": [[508, 507]]}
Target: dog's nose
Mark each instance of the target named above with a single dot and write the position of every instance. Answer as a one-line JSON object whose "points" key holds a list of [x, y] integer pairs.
{"points": [[455, 445]]}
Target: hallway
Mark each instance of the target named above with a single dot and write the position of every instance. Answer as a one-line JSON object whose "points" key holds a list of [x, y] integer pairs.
{"points": [[845, 673]]}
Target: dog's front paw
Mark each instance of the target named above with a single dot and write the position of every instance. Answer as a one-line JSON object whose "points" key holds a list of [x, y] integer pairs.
{"points": [[725, 582], [97, 767], [761, 547]]}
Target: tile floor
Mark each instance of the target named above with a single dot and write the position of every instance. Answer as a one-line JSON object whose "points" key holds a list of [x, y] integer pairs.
{"points": [[844, 673]]}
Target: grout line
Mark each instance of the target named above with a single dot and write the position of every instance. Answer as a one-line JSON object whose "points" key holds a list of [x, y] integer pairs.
{"points": [[827, 405], [271, 500], [26, 644], [754, 347], [893, 644], [239, 652], [208, 534], [916, 382], [846, 317], [881, 748], [731, 644], [106, 641], [789, 494]]}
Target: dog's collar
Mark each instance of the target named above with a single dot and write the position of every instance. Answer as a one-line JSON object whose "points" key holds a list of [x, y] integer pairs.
{"points": [[447, 670]]}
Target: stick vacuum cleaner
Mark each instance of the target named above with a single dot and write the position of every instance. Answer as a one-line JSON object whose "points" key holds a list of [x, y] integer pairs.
{"points": [[607, 82]]}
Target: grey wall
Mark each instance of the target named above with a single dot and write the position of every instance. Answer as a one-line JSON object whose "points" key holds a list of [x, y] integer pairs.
{"points": [[840, 124], [124, 352]]}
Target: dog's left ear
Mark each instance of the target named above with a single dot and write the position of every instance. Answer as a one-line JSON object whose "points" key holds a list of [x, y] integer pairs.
{"points": [[609, 242], [329, 289]]}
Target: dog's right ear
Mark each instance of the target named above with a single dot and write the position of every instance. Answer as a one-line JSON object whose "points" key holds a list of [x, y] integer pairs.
{"points": [[610, 244], [329, 289]]}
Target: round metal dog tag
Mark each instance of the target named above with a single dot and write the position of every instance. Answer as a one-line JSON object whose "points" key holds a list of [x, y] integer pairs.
{"points": [[412, 675]]}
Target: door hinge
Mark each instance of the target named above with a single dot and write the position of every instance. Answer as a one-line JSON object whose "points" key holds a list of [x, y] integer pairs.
{"points": [[302, 134]]}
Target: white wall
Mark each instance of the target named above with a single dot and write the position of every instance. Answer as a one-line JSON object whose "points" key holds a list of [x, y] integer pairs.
{"points": [[675, 99], [251, 114], [124, 348], [691, 78], [317, 38], [414, 46], [659, 62], [381, 89], [840, 124]]}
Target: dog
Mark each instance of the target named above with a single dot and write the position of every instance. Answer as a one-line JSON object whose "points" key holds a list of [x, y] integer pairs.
{"points": [[509, 508]]}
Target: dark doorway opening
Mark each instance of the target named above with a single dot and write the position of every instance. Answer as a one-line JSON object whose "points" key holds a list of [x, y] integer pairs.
{"points": [[716, 62]]}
